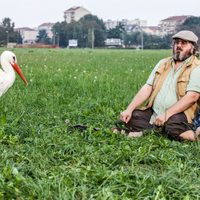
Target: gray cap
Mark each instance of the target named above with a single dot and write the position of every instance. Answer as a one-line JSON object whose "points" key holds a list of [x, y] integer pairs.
{"points": [[186, 35]]}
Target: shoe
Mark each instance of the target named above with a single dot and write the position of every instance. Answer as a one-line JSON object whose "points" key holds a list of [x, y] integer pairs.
{"points": [[120, 128], [135, 134], [118, 131], [197, 131], [115, 130]]}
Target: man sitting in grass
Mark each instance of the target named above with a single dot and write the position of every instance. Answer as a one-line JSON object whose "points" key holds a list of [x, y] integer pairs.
{"points": [[172, 92]]}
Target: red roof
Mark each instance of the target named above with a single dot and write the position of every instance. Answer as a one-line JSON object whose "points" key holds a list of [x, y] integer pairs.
{"points": [[48, 24], [72, 9], [24, 29], [153, 27], [176, 18]]}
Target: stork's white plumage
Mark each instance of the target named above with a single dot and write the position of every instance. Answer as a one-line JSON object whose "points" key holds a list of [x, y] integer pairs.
{"points": [[7, 73]]}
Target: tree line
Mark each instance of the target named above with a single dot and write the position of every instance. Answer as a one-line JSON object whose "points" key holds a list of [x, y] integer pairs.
{"points": [[90, 31], [7, 32]]}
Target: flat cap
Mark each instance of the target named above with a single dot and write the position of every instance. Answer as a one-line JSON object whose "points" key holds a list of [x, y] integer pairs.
{"points": [[186, 35]]}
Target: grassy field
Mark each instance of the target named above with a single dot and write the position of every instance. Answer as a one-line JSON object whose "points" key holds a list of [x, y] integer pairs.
{"points": [[41, 158]]}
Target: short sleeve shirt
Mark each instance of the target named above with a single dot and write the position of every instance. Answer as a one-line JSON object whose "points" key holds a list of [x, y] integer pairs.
{"points": [[167, 96]]}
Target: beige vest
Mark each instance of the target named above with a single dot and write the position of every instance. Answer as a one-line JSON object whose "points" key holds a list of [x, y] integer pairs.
{"points": [[181, 85]]}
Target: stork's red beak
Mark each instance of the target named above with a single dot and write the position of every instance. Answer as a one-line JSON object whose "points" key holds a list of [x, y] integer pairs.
{"points": [[18, 70]]}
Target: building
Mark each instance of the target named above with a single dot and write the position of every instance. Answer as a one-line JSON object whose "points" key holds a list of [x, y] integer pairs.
{"points": [[169, 25], [47, 27], [128, 25], [134, 22], [152, 30], [110, 24], [75, 13], [28, 35]]}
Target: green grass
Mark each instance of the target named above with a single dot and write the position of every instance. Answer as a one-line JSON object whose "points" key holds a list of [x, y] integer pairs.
{"points": [[42, 159]]}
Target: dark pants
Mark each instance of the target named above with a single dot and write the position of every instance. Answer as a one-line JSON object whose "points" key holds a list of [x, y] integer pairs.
{"points": [[173, 127]]}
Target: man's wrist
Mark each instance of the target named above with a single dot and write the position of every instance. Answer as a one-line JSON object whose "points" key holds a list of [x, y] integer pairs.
{"points": [[130, 109], [168, 114]]}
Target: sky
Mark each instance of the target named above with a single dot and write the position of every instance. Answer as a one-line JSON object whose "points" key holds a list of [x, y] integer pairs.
{"points": [[32, 13]]}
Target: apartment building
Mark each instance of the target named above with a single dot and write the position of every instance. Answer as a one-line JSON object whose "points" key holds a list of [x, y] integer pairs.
{"points": [[169, 25], [152, 30], [128, 25], [75, 13], [28, 35], [110, 24]]}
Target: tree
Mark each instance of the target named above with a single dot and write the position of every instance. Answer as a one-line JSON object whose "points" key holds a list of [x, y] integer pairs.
{"points": [[42, 37], [7, 32], [90, 25], [89, 31], [63, 32], [149, 41], [57, 30], [192, 24], [116, 32]]}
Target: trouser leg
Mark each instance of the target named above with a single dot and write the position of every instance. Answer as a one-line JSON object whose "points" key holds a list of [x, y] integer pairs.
{"points": [[176, 125], [140, 120]]}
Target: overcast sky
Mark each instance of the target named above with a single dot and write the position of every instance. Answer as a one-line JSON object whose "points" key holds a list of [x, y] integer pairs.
{"points": [[32, 13]]}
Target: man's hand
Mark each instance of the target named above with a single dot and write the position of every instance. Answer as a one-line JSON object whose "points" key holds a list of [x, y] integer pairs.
{"points": [[125, 116], [142, 95], [180, 106], [161, 119]]}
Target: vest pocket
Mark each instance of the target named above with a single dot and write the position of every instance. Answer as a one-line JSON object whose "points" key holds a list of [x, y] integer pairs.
{"points": [[182, 85]]}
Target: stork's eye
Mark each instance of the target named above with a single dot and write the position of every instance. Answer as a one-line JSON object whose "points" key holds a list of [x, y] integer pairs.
{"points": [[14, 58]]}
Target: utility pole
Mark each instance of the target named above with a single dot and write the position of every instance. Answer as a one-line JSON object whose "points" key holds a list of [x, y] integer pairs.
{"points": [[123, 38], [142, 39], [7, 40], [92, 38], [54, 37], [58, 40], [141, 36]]}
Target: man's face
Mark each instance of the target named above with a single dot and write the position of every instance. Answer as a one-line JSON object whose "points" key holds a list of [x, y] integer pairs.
{"points": [[182, 49]]}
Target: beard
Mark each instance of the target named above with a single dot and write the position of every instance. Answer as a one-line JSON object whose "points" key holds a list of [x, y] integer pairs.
{"points": [[180, 55]]}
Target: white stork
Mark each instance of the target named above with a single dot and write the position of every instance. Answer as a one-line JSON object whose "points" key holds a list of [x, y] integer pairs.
{"points": [[7, 73]]}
